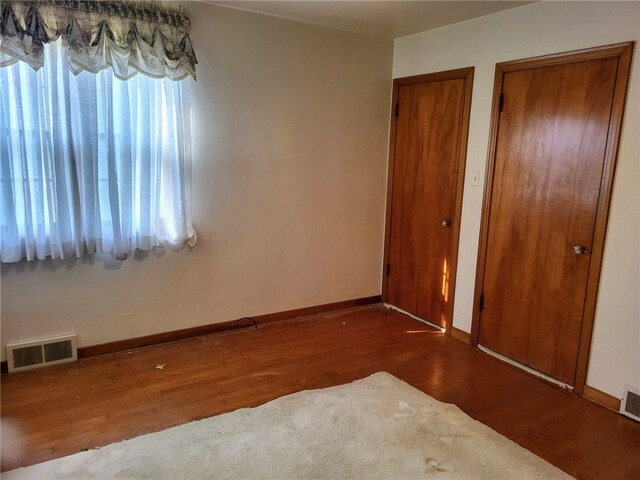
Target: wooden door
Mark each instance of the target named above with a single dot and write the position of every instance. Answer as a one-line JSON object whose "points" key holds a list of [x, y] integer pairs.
{"points": [[429, 138], [552, 137]]}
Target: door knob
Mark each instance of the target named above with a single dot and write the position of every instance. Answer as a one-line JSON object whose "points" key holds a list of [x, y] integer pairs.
{"points": [[446, 223], [579, 249]]}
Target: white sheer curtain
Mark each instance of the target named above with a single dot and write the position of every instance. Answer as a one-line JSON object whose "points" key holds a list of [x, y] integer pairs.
{"points": [[90, 163]]}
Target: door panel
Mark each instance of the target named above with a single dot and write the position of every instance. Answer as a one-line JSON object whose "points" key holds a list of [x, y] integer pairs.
{"points": [[549, 157], [428, 142]]}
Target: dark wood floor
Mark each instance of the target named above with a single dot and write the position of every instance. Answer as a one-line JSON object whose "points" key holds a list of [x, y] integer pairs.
{"points": [[64, 409]]}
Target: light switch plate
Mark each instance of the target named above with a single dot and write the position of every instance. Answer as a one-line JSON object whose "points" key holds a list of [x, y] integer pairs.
{"points": [[475, 179]]}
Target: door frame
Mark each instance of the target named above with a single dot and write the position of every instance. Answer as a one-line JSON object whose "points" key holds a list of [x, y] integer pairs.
{"points": [[623, 52], [465, 74]]}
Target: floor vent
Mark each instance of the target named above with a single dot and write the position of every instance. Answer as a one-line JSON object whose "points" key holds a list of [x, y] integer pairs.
{"points": [[40, 353], [630, 405]]}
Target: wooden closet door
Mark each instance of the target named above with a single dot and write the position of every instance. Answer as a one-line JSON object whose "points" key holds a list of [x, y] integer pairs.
{"points": [[549, 158], [430, 133]]}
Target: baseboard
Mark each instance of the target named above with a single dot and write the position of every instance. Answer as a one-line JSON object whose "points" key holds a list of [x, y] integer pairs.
{"points": [[601, 398], [138, 342], [460, 335]]}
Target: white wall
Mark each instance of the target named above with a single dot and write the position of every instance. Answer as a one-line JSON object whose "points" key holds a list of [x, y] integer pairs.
{"points": [[289, 165], [538, 29]]}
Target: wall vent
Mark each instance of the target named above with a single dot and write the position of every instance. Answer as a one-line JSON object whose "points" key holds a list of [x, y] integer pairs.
{"points": [[630, 405], [40, 353]]}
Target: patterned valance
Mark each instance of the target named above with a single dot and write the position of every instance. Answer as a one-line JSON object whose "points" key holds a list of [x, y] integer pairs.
{"points": [[128, 36]]}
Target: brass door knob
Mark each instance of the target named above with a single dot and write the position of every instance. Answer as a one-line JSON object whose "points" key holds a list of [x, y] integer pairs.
{"points": [[579, 249]]}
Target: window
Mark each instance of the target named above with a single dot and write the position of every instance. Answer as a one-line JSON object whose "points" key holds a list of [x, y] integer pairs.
{"points": [[91, 163]]}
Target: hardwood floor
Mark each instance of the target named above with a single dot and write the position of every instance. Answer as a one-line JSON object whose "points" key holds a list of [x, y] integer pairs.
{"points": [[64, 409]]}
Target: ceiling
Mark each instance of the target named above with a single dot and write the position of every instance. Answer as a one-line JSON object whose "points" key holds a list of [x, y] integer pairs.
{"points": [[387, 19]]}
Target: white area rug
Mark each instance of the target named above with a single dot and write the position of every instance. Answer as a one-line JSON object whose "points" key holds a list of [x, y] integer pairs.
{"points": [[378, 427]]}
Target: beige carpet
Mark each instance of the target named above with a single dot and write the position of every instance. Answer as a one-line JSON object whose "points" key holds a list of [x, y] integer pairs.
{"points": [[377, 427]]}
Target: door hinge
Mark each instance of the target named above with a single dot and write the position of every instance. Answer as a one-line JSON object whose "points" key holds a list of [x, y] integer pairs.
{"points": [[397, 109], [388, 268], [481, 302], [501, 102]]}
